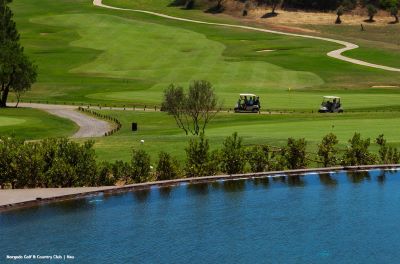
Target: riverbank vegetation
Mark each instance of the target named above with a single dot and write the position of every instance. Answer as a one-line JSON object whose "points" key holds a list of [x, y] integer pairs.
{"points": [[63, 163]]}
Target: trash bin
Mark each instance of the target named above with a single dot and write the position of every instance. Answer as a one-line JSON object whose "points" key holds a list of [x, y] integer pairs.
{"points": [[134, 126]]}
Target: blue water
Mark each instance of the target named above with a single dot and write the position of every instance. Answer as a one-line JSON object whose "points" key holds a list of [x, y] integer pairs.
{"points": [[336, 218]]}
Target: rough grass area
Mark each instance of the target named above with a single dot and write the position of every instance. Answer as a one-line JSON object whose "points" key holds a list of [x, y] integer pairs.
{"points": [[32, 124]]}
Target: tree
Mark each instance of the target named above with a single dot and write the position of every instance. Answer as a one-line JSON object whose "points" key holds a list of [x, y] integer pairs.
{"points": [[218, 7], [17, 72], [274, 4], [194, 110], [140, 166], [387, 154], [199, 161], [167, 167], [257, 157], [392, 7], [339, 13], [357, 153], [295, 153], [394, 11], [327, 150], [371, 9], [233, 156]]}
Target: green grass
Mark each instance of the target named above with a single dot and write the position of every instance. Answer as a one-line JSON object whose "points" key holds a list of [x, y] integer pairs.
{"points": [[98, 56], [379, 44], [159, 131], [92, 55], [33, 124]]}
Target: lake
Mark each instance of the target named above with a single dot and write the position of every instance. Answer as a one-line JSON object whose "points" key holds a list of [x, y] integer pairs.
{"points": [[329, 218]]}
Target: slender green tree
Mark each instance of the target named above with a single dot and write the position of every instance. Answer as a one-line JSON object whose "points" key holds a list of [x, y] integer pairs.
{"points": [[327, 150], [295, 153], [233, 155], [17, 72]]}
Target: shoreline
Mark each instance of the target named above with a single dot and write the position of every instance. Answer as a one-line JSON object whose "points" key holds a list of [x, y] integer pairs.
{"points": [[53, 195]]}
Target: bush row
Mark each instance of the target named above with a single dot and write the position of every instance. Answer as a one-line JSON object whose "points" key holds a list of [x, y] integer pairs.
{"points": [[106, 117], [62, 163]]}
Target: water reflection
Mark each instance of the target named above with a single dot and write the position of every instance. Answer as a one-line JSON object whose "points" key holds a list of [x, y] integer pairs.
{"points": [[295, 181], [165, 191], [142, 195], [198, 188], [327, 180], [234, 186], [74, 205], [381, 177], [359, 176], [264, 182]]}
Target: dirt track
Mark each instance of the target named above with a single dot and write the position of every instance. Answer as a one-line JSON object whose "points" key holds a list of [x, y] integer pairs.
{"points": [[88, 126], [337, 54]]}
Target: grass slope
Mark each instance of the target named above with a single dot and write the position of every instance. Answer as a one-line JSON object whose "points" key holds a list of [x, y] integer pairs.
{"points": [[92, 55], [32, 124]]}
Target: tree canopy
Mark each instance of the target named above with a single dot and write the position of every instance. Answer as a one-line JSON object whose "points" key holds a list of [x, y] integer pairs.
{"points": [[17, 72], [193, 110]]}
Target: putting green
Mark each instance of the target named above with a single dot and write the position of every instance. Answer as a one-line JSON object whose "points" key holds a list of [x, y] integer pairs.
{"points": [[10, 121], [30, 124]]}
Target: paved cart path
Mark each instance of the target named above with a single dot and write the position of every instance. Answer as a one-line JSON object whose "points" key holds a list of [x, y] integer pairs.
{"points": [[337, 54], [88, 126]]}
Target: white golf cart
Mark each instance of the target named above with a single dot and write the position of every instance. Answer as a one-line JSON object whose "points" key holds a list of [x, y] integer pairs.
{"points": [[248, 103], [331, 104]]}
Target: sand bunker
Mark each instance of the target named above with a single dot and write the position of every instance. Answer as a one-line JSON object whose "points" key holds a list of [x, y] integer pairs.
{"points": [[265, 50], [385, 86]]}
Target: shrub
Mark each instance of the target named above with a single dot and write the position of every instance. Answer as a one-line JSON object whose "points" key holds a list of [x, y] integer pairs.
{"points": [[327, 151], [257, 156], [106, 174], [8, 152], [233, 158], [357, 153], [387, 154], [167, 167], [198, 159], [294, 153], [122, 171], [140, 166]]}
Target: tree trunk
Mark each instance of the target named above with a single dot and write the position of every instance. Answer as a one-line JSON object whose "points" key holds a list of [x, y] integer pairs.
{"points": [[338, 20], [4, 96]]}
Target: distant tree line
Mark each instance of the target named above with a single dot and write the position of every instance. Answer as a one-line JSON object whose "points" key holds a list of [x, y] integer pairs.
{"points": [[63, 163], [372, 6]]}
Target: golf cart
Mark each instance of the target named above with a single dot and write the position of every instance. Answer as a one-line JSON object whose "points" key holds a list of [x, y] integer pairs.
{"points": [[331, 104], [248, 103]]}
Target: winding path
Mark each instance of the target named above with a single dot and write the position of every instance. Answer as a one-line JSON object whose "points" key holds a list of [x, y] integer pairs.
{"points": [[337, 54], [88, 126]]}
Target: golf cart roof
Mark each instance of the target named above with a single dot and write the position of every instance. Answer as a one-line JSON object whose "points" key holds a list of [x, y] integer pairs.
{"points": [[248, 95], [331, 97]]}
